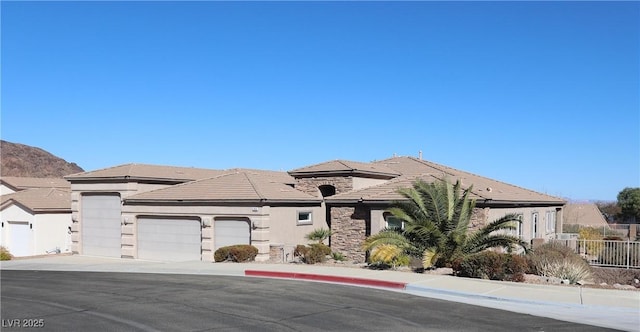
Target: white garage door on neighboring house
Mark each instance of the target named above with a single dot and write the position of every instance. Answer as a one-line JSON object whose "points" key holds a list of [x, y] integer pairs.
{"points": [[100, 225], [19, 239], [169, 239], [229, 232]]}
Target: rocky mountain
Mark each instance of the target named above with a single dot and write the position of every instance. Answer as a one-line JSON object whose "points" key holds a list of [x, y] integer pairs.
{"points": [[28, 161]]}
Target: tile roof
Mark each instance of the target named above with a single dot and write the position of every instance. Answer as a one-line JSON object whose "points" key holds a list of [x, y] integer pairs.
{"points": [[586, 214], [241, 186], [345, 167], [21, 183], [484, 189], [149, 172], [40, 200]]}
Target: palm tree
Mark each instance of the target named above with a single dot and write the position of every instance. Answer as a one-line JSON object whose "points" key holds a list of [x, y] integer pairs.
{"points": [[436, 217]]}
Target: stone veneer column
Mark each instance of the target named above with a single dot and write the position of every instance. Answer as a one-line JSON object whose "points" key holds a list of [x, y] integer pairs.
{"points": [[310, 185], [349, 230], [478, 218]]}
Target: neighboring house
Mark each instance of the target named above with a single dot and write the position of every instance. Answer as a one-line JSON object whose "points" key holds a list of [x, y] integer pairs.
{"points": [[11, 184], [584, 214], [36, 221], [176, 213]]}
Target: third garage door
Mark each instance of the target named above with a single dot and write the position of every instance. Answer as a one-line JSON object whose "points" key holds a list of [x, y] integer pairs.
{"points": [[230, 231], [169, 239]]}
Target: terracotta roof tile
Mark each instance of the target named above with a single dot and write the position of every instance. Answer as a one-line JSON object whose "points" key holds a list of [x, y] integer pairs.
{"points": [[144, 171], [586, 214], [40, 199], [20, 183], [241, 186], [344, 167], [413, 169]]}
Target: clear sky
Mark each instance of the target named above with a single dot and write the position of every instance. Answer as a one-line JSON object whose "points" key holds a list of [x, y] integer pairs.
{"points": [[544, 95]]}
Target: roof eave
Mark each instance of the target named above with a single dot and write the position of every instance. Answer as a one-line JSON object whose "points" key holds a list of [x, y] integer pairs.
{"points": [[380, 175], [120, 179]]}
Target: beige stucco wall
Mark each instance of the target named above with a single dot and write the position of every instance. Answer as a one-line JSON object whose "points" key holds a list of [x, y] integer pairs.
{"points": [[15, 214], [123, 189], [49, 231], [527, 220], [269, 225], [285, 231], [359, 183]]}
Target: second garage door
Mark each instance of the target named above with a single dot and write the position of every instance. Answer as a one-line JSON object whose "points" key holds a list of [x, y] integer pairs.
{"points": [[229, 232], [169, 239]]}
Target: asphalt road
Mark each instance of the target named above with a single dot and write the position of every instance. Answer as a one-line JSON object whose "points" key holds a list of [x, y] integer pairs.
{"points": [[88, 301]]}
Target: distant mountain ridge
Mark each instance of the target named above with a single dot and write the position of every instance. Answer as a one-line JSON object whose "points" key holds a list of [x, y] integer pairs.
{"points": [[28, 161]]}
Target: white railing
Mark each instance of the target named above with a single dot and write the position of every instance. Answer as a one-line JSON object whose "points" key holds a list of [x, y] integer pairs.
{"points": [[606, 252]]}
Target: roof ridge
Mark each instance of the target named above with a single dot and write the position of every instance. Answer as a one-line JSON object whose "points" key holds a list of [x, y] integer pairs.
{"points": [[253, 185]]}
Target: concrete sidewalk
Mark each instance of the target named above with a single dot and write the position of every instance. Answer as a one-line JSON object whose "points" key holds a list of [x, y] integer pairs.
{"points": [[619, 309]]}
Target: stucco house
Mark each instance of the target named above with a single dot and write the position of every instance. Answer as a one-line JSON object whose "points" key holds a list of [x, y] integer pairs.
{"points": [[177, 213], [36, 221]]}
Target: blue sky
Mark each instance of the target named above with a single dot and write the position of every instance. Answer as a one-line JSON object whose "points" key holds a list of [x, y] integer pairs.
{"points": [[544, 95]]}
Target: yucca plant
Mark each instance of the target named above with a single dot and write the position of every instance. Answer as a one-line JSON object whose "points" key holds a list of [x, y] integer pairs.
{"points": [[318, 235], [436, 217]]}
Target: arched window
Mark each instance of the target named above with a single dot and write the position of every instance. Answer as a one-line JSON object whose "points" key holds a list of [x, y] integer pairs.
{"points": [[327, 190]]}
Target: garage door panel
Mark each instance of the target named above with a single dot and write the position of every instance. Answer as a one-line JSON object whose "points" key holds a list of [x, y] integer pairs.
{"points": [[231, 232], [169, 239], [101, 229]]}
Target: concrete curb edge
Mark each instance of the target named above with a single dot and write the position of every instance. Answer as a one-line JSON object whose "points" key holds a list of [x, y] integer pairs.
{"points": [[326, 278]]}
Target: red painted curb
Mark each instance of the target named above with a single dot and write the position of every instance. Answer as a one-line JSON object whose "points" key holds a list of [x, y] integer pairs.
{"points": [[320, 277]]}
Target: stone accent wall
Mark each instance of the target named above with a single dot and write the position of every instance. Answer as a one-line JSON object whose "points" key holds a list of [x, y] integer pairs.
{"points": [[478, 218], [349, 227], [310, 185], [276, 253]]}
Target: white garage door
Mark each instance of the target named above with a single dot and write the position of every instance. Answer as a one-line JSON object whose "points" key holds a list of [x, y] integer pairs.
{"points": [[20, 239], [230, 232], [101, 230], [169, 239]]}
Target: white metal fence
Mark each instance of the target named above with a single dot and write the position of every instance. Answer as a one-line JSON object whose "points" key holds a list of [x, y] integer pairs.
{"points": [[606, 252]]}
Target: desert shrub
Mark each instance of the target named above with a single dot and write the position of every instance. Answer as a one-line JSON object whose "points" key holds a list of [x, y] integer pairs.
{"points": [[5, 255], [492, 265], [337, 256], [558, 261], [317, 253], [300, 250], [388, 256], [236, 253]]}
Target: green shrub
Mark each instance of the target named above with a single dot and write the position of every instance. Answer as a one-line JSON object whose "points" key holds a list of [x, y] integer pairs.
{"points": [[558, 261], [5, 255], [492, 265], [236, 253], [337, 256], [317, 253]]}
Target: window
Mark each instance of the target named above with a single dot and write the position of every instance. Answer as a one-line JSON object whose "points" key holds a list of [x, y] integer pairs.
{"points": [[304, 218], [393, 222], [518, 230], [551, 221], [534, 225]]}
